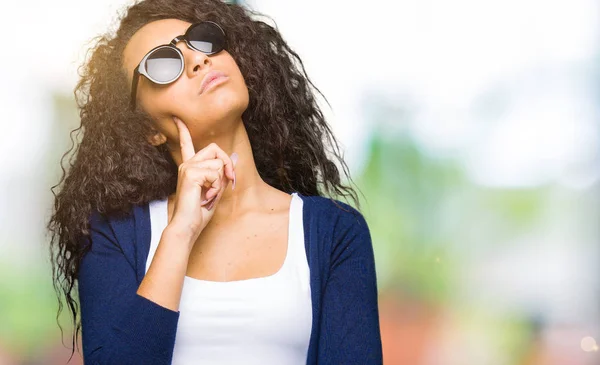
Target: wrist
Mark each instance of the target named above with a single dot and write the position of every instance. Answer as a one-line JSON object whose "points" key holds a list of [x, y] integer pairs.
{"points": [[180, 236]]}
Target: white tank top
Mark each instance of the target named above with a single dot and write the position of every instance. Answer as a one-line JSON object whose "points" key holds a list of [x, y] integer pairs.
{"points": [[265, 320]]}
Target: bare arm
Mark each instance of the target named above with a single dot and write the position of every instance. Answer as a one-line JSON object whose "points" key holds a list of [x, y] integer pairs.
{"points": [[163, 281]]}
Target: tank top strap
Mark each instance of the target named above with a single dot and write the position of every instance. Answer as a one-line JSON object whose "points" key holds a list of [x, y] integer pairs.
{"points": [[293, 230], [297, 260]]}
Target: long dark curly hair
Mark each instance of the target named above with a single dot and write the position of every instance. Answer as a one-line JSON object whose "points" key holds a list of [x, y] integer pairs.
{"points": [[114, 166]]}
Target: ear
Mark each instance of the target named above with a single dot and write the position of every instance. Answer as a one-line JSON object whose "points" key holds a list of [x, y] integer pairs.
{"points": [[157, 138]]}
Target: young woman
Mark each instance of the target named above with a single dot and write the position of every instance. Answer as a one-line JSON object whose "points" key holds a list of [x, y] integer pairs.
{"points": [[193, 219]]}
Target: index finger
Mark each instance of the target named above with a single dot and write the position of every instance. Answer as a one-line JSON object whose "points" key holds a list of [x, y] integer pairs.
{"points": [[185, 140]]}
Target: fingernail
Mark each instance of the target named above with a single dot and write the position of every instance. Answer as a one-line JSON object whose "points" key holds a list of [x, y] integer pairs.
{"points": [[207, 200], [234, 158], [210, 206]]}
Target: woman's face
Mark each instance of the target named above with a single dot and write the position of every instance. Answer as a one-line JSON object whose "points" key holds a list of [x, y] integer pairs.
{"points": [[210, 113]]}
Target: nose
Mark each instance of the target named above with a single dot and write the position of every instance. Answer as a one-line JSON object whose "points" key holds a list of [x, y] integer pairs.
{"points": [[195, 62]]}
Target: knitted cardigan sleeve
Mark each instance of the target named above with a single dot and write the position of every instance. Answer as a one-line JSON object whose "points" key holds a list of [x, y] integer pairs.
{"points": [[350, 331], [118, 325]]}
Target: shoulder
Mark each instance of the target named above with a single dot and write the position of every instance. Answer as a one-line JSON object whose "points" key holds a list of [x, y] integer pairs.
{"points": [[333, 225], [120, 228], [333, 212], [338, 236], [123, 234], [117, 223]]}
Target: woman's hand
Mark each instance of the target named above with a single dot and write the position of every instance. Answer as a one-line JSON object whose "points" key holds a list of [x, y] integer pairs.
{"points": [[202, 178]]}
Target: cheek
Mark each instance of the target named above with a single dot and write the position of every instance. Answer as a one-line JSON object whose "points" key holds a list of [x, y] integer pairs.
{"points": [[157, 101]]}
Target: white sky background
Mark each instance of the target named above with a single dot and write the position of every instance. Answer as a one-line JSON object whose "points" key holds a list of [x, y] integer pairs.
{"points": [[441, 57]]}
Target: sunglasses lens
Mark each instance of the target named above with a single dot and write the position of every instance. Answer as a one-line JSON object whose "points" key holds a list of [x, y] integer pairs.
{"points": [[164, 64], [206, 37]]}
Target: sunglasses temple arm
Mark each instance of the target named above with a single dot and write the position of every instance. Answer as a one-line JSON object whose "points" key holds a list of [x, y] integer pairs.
{"points": [[136, 77]]}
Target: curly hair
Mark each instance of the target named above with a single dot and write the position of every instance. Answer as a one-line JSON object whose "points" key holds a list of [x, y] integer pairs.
{"points": [[114, 166]]}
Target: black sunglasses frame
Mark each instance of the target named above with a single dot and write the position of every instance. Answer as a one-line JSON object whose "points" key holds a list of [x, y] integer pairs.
{"points": [[141, 69]]}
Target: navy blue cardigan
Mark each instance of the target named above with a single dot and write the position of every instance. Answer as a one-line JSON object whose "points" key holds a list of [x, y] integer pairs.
{"points": [[121, 327]]}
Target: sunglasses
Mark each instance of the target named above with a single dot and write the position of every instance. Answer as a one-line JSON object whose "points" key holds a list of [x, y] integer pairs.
{"points": [[164, 64]]}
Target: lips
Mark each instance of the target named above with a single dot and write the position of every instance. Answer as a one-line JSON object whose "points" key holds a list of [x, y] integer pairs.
{"points": [[213, 77]]}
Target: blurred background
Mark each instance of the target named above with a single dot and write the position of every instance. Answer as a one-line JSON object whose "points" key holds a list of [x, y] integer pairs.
{"points": [[471, 127]]}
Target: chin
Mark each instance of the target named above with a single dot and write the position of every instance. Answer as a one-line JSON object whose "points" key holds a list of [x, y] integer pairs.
{"points": [[224, 105]]}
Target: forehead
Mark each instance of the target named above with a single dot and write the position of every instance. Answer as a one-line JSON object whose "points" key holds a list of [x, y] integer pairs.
{"points": [[149, 36]]}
